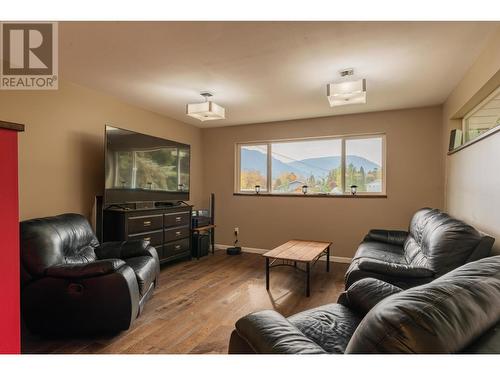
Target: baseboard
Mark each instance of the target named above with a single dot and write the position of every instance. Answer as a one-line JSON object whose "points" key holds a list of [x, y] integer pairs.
{"points": [[255, 250], [244, 249]]}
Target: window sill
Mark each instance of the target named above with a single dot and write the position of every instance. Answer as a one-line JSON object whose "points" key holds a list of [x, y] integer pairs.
{"points": [[486, 134], [313, 195]]}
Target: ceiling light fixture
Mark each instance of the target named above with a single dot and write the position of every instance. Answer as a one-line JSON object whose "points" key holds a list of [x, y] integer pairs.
{"points": [[207, 110], [346, 91]]}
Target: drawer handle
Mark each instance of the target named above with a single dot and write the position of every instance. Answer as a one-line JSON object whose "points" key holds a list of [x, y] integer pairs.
{"points": [[147, 239], [147, 223], [177, 247], [178, 218], [178, 233]]}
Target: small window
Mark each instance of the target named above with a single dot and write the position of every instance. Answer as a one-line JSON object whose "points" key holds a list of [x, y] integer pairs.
{"points": [[326, 166], [482, 118]]}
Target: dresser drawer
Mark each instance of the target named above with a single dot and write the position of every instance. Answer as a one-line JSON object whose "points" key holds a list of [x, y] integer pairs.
{"points": [[177, 219], [154, 238], [176, 233], [140, 224], [176, 247]]}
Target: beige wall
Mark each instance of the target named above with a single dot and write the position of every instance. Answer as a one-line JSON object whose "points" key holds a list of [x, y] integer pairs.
{"points": [[414, 180], [472, 178], [61, 157], [61, 167]]}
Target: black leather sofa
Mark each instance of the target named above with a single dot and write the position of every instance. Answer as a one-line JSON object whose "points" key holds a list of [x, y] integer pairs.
{"points": [[434, 244], [70, 284], [456, 313]]}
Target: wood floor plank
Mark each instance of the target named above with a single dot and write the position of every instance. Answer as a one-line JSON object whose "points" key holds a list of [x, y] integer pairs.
{"points": [[197, 302]]}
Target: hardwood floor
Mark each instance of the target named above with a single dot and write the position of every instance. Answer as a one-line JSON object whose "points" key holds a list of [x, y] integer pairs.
{"points": [[194, 308]]}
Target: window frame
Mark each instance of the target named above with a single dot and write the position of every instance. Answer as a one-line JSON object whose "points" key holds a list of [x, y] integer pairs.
{"points": [[346, 193], [471, 113], [238, 166]]}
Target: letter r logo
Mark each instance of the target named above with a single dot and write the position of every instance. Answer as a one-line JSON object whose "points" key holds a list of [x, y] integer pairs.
{"points": [[27, 49]]}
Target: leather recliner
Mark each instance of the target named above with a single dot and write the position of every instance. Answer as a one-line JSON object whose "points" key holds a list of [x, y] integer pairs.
{"points": [[456, 313], [70, 284], [434, 244]]}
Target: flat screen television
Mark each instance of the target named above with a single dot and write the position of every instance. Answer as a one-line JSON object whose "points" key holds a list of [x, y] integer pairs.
{"points": [[142, 168]]}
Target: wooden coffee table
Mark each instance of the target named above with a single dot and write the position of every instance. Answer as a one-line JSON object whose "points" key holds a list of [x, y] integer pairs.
{"points": [[298, 251]]}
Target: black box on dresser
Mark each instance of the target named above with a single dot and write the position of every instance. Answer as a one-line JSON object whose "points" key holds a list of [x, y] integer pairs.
{"points": [[168, 229]]}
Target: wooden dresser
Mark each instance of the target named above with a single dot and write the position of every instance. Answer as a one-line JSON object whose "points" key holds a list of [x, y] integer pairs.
{"points": [[168, 229]]}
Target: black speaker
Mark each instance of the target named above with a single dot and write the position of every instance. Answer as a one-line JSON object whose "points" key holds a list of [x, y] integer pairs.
{"points": [[98, 216], [203, 241], [212, 221], [212, 208]]}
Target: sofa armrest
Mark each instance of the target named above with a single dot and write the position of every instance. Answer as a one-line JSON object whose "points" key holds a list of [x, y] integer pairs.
{"points": [[84, 270], [268, 332], [394, 269], [364, 294], [123, 249], [483, 248], [393, 237]]}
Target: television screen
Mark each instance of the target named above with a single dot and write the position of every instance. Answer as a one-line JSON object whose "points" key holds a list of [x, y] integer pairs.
{"points": [[140, 168]]}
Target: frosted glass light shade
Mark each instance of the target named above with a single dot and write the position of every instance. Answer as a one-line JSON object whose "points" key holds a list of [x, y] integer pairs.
{"points": [[347, 92], [206, 111]]}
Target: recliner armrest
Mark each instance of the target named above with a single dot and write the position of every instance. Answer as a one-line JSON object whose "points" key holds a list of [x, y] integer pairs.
{"points": [[364, 294], [84, 270], [393, 269], [268, 332], [123, 249], [393, 237]]}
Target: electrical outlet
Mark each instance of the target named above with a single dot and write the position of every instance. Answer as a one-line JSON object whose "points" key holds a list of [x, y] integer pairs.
{"points": [[236, 230]]}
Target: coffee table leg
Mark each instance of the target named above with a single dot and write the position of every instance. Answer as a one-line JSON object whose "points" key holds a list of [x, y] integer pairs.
{"points": [[308, 279], [267, 273], [328, 259]]}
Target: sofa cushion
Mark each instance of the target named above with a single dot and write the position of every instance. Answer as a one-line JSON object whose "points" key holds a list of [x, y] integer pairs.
{"points": [[355, 273], [268, 332], [84, 255], [439, 242], [394, 269], [145, 271], [390, 236], [381, 251], [330, 326], [444, 316], [364, 294]]}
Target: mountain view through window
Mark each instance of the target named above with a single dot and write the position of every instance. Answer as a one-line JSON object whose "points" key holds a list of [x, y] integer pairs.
{"points": [[313, 163], [253, 167], [317, 164]]}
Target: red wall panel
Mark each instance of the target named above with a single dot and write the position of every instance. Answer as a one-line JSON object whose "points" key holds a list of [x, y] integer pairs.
{"points": [[10, 341]]}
